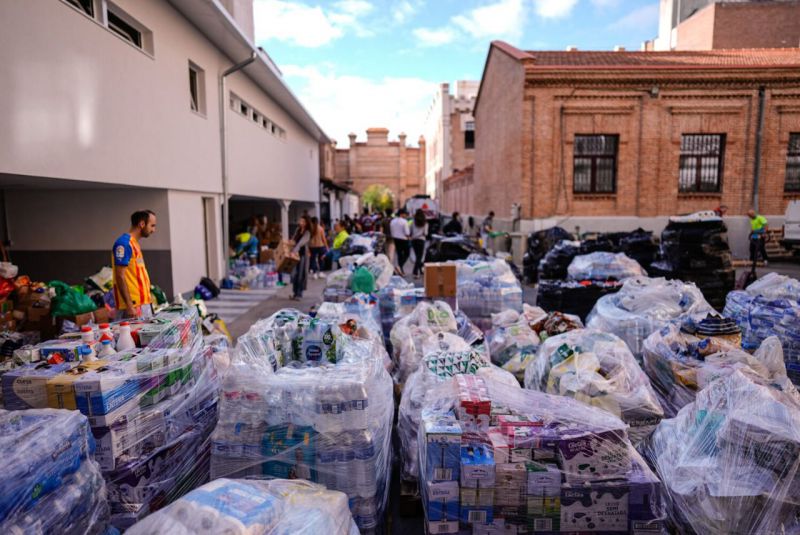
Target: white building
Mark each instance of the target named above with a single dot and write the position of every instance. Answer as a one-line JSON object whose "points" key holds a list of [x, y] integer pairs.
{"points": [[111, 107], [450, 133]]}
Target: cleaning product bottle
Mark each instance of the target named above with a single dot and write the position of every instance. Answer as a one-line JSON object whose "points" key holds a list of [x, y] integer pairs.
{"points": [[105, 332], [86, 353], [106, 349], [125, 340], [87, 335]]}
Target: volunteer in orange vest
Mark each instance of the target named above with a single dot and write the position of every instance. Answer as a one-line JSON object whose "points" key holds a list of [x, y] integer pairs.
{"points": [[131, 281]]}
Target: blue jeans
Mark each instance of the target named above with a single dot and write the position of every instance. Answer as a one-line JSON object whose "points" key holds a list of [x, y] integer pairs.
{"points": [[316, 259]]}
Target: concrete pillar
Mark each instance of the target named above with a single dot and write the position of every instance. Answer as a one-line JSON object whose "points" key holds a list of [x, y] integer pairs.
{"points": [[285, 219], [316, 210]]}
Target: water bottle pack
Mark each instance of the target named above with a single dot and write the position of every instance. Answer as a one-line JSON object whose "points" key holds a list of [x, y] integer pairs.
{"points": [[242, 275], [602, 265], [323, 420], [486, 286], [54, 485], [770, 306]]}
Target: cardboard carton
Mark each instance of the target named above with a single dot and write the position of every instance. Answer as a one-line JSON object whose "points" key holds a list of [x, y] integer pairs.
{"points": [[440, 280], [285, 259], [266, 255]]}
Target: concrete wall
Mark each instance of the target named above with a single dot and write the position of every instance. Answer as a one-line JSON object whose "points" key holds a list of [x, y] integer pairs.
{"points": [[698, 31], [190, 246], [81, 103], [68, 234]]}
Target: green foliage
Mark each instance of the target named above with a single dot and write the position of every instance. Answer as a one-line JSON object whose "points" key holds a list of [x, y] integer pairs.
{"points": [[378, 197]]}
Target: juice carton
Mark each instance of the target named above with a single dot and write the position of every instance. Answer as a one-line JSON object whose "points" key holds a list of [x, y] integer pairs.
{"points": [[442, 447], [591, 454], [477, 466]]}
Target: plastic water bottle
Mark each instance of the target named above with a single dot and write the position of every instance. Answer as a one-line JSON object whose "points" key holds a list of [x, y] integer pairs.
{"points": [[365, 463], [345, 457], [326, 461], [125, 340], [357, 398], [106, 350]]}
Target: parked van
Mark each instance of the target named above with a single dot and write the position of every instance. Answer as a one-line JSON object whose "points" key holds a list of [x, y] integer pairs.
{"points": [[791, 227]]}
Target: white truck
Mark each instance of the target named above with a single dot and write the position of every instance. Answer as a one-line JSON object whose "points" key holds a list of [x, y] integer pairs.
{"points": [[791, 228]]}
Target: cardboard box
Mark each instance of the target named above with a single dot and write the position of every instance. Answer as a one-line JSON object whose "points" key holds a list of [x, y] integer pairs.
{"points": [[61, 388], [285, 259], [441, 500], [266, 255], [440, 280], [103, 315], [442, 448], [26, 387]]}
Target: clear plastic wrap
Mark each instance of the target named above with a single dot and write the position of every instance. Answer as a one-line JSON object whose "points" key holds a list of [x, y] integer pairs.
{"points": [[50, 482], [729, 460], [309, 399], [337, 283], [598, 369], [150, 410], [680, 364], [253, 507], [770, 307], [397, 300], [603, 266], [499, 459], [486, 286], [643, 306], [444, 356], [368, 242], [428, 319]]}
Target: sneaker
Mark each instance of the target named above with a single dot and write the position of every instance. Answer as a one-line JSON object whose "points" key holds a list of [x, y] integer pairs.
{"points": [[280, 284]]}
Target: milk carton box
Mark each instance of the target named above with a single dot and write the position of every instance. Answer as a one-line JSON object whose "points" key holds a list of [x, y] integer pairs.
{"points": [[129, 440], [441, 501], [585, 454], [442, 447], [510, 484], [66, 350], [104, 389], [474, 404], [477, 466], [61, 388], [543, 479], [26, 387], [543, 514]]}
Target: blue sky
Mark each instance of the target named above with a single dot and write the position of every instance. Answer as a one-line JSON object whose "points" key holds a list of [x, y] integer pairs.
{"points": [[361, 63]]}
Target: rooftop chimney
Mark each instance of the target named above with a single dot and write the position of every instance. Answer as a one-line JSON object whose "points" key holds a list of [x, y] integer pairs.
{"points": [[619, 48], [572, 48]]}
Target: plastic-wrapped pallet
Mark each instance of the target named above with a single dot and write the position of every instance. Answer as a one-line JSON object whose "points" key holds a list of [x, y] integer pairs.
{"points": [[428, 319], [643, 306], [309, 399], [680, 364], [598, 369], [397, 300], [770, 306], [486, 286], [338, 282], [573, 297], [498, 459], [730, 460], [604, 266], [253, 507], [445, 355], [50, 483]]}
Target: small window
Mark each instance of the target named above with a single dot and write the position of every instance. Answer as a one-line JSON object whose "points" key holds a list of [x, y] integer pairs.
{"points": [[264, 122], [197, 89], [128, 28], [469, 135], [256, 117], [86, 6], [792, 183], [594, 165], [274, 128], [701, 163], [234, 103], [243, 109]]}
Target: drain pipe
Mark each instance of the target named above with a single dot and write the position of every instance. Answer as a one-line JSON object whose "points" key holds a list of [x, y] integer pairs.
{"points": [[223, 137], [759, 136]]}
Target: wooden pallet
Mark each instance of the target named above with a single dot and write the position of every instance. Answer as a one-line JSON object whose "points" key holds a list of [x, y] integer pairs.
{"points": [[774, 248]]}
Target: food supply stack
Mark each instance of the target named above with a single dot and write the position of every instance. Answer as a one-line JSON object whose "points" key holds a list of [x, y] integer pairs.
{"points": [[695, 249], [589, 277], [486, 286], [397, 300], [366, 273], [310, 398], [770, 307], [150, 410], [50, 483], [500, 460], [277, 506]]}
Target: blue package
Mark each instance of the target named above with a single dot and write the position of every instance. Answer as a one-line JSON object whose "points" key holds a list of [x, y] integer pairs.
{"points": [[442, 447]]}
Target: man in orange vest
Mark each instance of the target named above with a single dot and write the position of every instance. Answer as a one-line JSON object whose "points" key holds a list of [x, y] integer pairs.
{"points": [[131, 281]]}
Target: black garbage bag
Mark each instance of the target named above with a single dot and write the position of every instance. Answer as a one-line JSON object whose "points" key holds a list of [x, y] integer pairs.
{"points": [[539, 243], [573, 297], [455, 247]]}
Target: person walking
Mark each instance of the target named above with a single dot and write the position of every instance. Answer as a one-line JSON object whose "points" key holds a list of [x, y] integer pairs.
{"points": [[419, 232], [386, 228], [400, 234], [486, 230], [759, 227], [453, 226], [300, 275], [318, 245], [131, 280]]}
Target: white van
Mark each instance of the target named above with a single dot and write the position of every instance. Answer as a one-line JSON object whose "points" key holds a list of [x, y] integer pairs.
{"points": [[791, 227]]}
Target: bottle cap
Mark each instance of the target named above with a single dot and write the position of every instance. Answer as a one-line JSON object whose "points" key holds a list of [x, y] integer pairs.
{"points": [[104, 326], [125, 324], [85, 350], [106, 337], [106, 342], [86, 329]]}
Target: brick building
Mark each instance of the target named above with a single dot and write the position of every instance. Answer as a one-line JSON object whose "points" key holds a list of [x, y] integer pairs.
{"points": [[715, 24], [628, 138], [450, 133], [379, 161], [458, 191]]}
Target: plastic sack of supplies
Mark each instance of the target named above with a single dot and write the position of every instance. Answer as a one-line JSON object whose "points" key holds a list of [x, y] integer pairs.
{"points": [[379, 266], [680, 364], [498, 459], [444, 355], [486, 286], [253, 507], [397, 300], [50, 483], [598, 369], [604, 266], [309, 399], [729, 460], [423, 324], [643, 306], [770, 306]]}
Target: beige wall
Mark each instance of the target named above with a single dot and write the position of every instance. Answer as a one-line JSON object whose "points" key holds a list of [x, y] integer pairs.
{"points": [[80, 103], [190, 247]]}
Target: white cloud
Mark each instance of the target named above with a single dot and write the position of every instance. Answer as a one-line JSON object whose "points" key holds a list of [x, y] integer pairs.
{"points": [[502, 19], [309, 26], [435, 36], [605, 3], [643, 17], [553, 9], [403, 11], [342, 103]]}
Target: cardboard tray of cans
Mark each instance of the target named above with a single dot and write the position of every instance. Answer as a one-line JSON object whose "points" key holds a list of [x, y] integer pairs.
{"points": [[496, 459]]}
